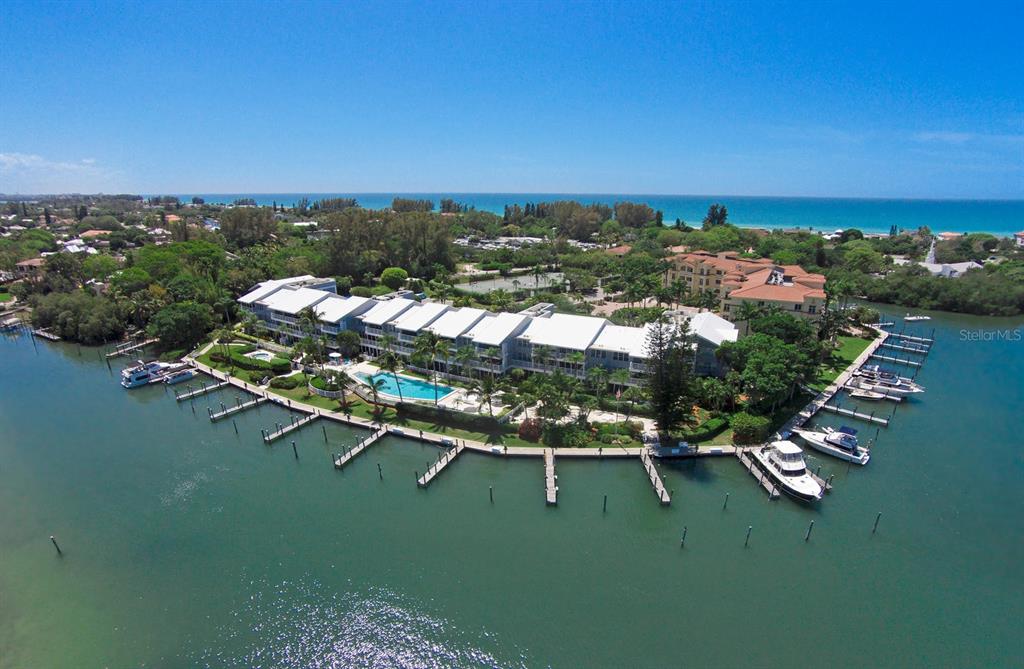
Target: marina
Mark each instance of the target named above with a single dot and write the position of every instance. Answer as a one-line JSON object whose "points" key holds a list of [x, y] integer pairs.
{"points": [[898, 361], [201, 390], [447, 457], [350, 454], [282, 430]]}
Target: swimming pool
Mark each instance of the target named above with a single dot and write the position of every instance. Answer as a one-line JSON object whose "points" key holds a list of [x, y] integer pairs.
{"points": [[415, 389], [260, 354]]}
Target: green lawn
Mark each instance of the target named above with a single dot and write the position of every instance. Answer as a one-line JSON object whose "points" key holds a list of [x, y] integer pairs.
{"points": [[849, 349], [6, 297]]}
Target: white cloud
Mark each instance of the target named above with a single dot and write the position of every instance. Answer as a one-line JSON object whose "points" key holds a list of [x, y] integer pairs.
{"points": [[32, 173], [951, 137]]}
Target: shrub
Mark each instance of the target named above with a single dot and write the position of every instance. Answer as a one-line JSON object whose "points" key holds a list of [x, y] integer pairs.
{"points": [[749, 429], [706, 430], [322, 384], [274, 365], [530, 429], [447, 417], [285, 382]]}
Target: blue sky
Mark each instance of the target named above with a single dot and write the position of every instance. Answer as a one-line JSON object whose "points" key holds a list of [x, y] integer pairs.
{"points": [[744, 98]]}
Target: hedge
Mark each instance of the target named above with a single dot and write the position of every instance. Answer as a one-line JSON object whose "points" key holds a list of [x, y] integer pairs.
{"points": [[320, 383], [431, 414], [275, 365], [710, 428], [749, 429], [285, 382]]}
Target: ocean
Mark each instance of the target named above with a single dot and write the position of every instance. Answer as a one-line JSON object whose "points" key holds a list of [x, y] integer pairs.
{"points": [[998, 217], [188, 545]]}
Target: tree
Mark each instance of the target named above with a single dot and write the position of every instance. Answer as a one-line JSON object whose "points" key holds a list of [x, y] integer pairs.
{"points": [[716, 392], [181, 325], [389, 363], [465, 356], [99, 267], [245, 226], [717, 215], [427, 345], [348, 342], [394, 277], [669, 374]]}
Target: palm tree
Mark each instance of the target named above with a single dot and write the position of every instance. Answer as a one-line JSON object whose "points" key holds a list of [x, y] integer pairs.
{"points": [[746, 312], [486, 387], [442, 350], [716, 392], [492, 353], [308, 321], [598, 378], [500, 299], [426, 345], [541, 355], [388, 361], [537, 271], [375, 385], [633, 394], [576, 359], [465, 356]]}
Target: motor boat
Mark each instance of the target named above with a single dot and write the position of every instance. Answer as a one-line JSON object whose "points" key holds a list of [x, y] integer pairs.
{"points": [[841, 443], [783, 461], [868, 395], [147, 372], [179, 376], [874, 378], [910, 318]]}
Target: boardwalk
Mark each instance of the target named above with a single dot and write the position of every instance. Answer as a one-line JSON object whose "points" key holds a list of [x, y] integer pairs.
{"points": [[238, 408], [446, 458], [282, 430], [347, 456], [923, 340], [550, 479], [199, 391], [765, 481], [45, 334], [655, 477], [923, 350]]}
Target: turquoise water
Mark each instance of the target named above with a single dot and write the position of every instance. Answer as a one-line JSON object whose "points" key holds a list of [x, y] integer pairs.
{"points": [[186, 545], [411, 388], [1001, 217]]}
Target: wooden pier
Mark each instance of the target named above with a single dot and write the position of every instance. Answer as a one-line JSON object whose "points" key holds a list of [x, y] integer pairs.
{"points": [[349, 455], [128, 347], [238, 408], [268, 437], [885, 396], [652, 474], [747, 460], [45, 334], [923, 340], [550, 479], [438, 466], [871, 418], [898, 361], [826, 484], [923, 350], [200, 391]]}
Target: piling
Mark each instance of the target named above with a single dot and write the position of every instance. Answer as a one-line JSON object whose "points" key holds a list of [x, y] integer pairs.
{"points": [[490, 489], [747, 541], [54, 540], [604, 509], [807, 537], [682, 541], [380, 472], [295, 451], [325, 432], [877, 518], [235, 425], [726, 501]]}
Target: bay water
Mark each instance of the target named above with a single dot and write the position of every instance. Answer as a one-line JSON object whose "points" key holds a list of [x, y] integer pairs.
{"points": [[186, 545]]}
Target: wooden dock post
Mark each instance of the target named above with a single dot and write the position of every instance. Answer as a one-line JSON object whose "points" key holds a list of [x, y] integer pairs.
{"points": [[490, 489], [295, 451], [54, 540], [726, 501], [877, 518], [747, 540], [604, 509], [682, 541], [234, 425], [807, 537], [322, 427], [380, 472]]}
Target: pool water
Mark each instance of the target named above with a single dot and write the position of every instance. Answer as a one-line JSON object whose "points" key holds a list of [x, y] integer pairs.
{"points": [[416, 389], [260, 355]]}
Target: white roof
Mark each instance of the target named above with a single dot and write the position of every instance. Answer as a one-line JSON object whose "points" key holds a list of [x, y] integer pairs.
{"points": [[293, 300], [265, 288], [334, 308], [454, 322], [494, 330], [786, 447], [623, 339], [385, 311], [420, 316], [715, 329], [563, 331]]}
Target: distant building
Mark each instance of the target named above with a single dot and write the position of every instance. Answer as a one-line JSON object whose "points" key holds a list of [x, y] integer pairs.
{"points": [[29, 269], [950, 270], [93, 234], [948, 236], [1019, 238]]}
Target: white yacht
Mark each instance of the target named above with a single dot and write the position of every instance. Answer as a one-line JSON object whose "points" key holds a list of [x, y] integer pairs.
{"points": [[860, 393], [841, 443], [179, 376], [783, 461], [145, 372], [908, 317], [873, 377]]}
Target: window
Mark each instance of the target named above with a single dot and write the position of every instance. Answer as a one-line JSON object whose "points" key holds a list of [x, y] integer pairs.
{"points": [[797, 307], [812, 309]]}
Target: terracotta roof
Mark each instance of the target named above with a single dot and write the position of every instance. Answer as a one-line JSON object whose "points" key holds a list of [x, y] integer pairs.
{"points": [[32, 262], [619, 250], [94, 233]]}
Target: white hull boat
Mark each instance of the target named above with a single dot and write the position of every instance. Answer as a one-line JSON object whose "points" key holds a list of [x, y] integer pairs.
{"points": [[783, 461], [145, 373], [841, 443], [913, 319], [867, 395]]}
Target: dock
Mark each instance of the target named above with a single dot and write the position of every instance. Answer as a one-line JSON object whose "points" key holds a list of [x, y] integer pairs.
{"points": [[655, 477], [45, 334], [885, 396], [550, 479], [826, 484], [347, 456], [128, 347], [282, 430], [923, 340], [923, 350], [446, 458], [238, 408], [871, 418], [200, 391], [898, 361], [747, 460]]}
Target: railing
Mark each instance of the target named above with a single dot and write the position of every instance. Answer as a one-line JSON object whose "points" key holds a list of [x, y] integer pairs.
{"points": [[329, 394]]}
